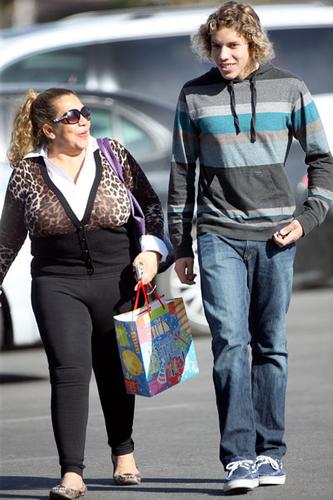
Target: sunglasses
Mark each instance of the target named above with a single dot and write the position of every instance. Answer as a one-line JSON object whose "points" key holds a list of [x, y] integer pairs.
{"points": [[73, 116]]}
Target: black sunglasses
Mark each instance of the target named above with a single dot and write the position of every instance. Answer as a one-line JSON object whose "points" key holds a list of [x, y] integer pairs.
{"points": [[73, 116]]}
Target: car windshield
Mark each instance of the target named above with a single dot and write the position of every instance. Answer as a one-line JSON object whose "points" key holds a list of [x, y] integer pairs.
{"points": [[303, 51]]}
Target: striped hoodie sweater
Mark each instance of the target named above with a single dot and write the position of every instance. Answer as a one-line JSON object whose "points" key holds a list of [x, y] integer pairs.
{"points": [[241, 132]]}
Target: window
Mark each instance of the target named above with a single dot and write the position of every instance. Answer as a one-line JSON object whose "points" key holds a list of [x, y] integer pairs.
{"points": [[143, 66], [135, 138], [306, 52], [101, 122], [140, 66], [55, 67], [110, 122]]}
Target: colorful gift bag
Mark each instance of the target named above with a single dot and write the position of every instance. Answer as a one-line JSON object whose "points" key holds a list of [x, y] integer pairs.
{"points": [[156, 347]]}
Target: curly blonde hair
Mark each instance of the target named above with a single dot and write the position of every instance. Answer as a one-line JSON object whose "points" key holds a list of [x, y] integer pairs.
{"points": [[36, 111], [241, 18]]}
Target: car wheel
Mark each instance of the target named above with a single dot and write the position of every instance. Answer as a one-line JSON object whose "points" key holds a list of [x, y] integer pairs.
{"points": [[169, 285]]}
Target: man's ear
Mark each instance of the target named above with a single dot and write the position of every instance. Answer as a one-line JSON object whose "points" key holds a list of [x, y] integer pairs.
{"points": [[48, 132]]}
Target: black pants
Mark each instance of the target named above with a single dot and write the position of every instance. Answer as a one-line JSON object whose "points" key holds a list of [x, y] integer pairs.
{"points": [[75, 319]]}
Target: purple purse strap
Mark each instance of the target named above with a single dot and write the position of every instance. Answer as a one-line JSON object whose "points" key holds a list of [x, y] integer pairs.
{"points": [[137, 213], [106, 149]]}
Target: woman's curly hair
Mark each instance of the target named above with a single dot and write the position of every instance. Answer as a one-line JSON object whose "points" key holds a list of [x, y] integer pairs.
{"points": [[241, 18], [33, 114]]}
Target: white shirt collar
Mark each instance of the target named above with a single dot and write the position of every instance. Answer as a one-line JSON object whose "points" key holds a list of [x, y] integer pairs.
{"points": [[76, 194]]}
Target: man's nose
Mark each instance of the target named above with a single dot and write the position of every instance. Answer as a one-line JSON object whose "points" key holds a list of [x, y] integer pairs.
{"points": [[224, 52]]}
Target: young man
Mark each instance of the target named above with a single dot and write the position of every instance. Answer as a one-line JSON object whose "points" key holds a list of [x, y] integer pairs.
{"points": [[239, 120]]}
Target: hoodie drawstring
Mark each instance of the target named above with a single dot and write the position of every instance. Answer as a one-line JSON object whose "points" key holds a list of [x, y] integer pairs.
{"points": [[253, 107], [233, 106]]}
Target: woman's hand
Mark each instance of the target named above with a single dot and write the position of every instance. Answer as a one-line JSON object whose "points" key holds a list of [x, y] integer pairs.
{"points": [[288, 234], [149, 261]]}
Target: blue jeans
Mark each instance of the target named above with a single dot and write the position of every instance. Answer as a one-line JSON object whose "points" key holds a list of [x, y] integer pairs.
{"points": [[246, 289]]}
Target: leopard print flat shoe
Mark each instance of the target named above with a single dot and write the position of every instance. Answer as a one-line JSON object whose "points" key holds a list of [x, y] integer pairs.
{"points": [[60, 492], [127, 479]]}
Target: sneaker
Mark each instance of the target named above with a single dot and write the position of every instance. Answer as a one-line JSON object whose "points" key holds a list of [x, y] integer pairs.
{"points": [[270, 470], [241, 475]]}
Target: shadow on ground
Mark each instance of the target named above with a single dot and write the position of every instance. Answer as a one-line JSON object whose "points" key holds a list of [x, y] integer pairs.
{"points": [[28, 484]]}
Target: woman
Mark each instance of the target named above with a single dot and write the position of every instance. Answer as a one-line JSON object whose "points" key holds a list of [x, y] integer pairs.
{"points": [[66, 196]]}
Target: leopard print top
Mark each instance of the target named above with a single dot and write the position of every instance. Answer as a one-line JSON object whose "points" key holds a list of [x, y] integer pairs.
{"points": [[32, 205]]}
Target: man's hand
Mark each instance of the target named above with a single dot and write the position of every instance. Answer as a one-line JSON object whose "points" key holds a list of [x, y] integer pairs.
{"points": [[149, 261], [288, 234], [184, 270]]}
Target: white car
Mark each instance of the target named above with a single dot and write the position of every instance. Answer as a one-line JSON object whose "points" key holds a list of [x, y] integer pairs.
{"points": [[147, 54]]}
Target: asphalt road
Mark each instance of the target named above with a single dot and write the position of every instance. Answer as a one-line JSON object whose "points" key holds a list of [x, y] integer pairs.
{"points": [[176, 432]]}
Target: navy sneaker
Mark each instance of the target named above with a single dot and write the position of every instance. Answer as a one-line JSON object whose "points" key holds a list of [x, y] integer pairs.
{"points": [[241, 475], [270, 470]]}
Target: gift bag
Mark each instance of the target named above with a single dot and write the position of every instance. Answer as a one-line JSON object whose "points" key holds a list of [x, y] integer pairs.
{"points": [[155, 346]]}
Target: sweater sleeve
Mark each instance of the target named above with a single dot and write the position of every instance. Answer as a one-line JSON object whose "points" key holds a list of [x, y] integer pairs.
{"points": [[181, 199], [141, 188], [308, 130], [12, 227]]}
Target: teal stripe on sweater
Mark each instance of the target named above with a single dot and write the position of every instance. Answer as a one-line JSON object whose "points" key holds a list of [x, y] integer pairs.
{"points": [[183, 122], [225, 124], [321, 193], [309, 113]]}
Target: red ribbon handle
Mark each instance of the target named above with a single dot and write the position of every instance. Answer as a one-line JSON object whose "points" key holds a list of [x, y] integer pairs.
{"points": [[143, 287]]}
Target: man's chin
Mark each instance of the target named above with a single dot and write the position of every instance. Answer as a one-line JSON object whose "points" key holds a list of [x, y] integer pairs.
{"points": [[228, 76]]}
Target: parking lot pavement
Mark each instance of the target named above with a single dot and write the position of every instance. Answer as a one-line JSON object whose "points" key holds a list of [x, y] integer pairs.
{"points": [[176, 433]]}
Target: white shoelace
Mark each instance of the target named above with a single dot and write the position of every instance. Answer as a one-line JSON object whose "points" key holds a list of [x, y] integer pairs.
{"points": [[263, 459], [232, 466]]}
